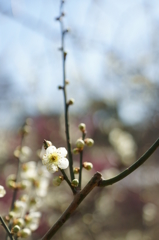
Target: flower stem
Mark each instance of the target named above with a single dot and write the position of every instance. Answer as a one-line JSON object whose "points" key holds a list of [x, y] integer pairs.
{"points": [[133, 167], [16, 180], [6, 228], [68, 181], [81, 162], [65, 95], [80, 171]]}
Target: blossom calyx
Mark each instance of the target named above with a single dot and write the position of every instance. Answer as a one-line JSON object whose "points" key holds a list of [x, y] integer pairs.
{"points": [[89, 142], [75, 183], [87, 165], [47, 144]]}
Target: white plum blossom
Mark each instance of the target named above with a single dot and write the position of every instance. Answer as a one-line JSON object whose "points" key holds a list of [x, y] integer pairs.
{"points": [[32, 220], [55, 158], [29, 170], [2, 191]]}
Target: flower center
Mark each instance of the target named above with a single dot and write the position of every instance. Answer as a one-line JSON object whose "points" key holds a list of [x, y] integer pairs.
{"points": [[53, 157]]}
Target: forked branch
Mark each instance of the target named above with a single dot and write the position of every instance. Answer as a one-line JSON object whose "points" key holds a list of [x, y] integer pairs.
{"points": [[97, 181]]}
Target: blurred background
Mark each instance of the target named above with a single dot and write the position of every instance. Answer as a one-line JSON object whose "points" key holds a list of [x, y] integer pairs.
{"points": [[112, 67]]}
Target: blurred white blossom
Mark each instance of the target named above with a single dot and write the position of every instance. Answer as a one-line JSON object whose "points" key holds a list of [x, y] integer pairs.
{"points": [[32, 220], [2, 191], [29, 170], [25, 153], [124, 144]]}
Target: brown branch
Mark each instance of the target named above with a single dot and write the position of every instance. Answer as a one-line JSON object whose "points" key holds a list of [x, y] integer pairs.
{"points": [[72, 207], [132, 168]]}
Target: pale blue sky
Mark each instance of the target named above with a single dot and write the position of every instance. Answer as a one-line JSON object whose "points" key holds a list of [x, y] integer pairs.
{"points": [[30, 38]]}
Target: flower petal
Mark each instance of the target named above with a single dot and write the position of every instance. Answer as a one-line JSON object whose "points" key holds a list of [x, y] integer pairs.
{"points": [[45, 159], [50, 149], [52, 168], [62, 152], [2, 191], [63, 163]]}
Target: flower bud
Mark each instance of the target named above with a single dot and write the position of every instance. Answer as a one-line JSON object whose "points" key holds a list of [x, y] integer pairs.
{"points": [[47, 144], [19, 222], [75, 183], [76, 150], [24, 233], [57, 181], [60, 87], [58, 19], [89, 142], [82, 127], [71, 101], [10, 182], [87, 165], [65, 54], [26, 129], [17, 152], [67, 82], [76, 170], [15, 229], [80, 144], [12, 214]]}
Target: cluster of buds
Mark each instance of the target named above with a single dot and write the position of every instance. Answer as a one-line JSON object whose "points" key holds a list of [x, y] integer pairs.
{"points": [[80, 143], [23, 227]]}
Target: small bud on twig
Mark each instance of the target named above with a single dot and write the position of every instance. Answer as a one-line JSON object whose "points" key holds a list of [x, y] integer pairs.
{"points": [[57, 181], [67, 82], [65, 54], [80, 144], [76, 170], [71, 101], [60, 87], [15, 229], [76, 150], [89, 142], [87, 165], [82, 127], [75, 183], [58, 18]]}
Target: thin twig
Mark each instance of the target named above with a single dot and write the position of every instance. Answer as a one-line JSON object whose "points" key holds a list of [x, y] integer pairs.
{"points": [[68, 181], [65, 95], [18, 171], [81, 166], [81, 162], [6, 228], [132, 168], [16, 180], [72, 207]]}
